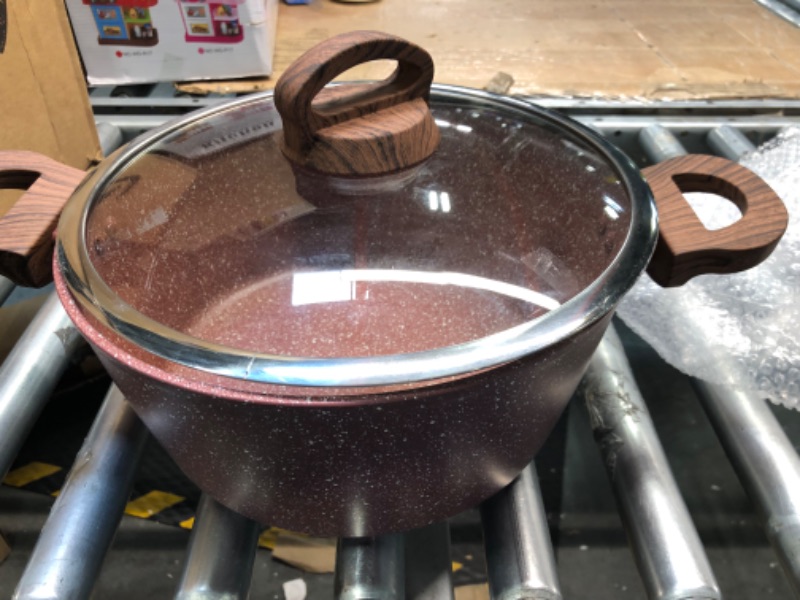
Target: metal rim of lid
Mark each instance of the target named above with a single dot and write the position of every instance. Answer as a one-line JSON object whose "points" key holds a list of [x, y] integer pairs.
{"points": [[591, 304]]}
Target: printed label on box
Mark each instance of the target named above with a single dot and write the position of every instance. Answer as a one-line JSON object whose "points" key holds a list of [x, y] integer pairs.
{"points": [[186, 39]]}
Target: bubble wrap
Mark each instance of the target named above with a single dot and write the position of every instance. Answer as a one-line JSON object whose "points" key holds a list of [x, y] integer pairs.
{"points": [[743, 329]]}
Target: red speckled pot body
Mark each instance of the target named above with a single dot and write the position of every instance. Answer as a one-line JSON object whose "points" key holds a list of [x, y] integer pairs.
{"points": [[347, 462]]}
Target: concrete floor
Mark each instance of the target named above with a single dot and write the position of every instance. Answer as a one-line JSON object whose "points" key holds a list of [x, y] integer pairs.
{"points": [[592, 553]]}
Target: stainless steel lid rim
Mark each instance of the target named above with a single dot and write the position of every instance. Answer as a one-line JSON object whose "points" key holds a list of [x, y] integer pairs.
{"points": [[591, 304]]}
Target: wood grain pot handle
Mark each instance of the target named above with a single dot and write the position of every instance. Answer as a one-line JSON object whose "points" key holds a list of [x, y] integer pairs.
{"points": [[366, 129], [26, 230], [685, 247]]}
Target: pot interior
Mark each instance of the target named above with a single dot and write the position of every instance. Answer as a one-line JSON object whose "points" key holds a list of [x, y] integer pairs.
{"points": [[209, 231]]}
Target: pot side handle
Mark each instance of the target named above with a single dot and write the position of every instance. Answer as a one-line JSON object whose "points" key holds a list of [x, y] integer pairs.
{"points": [[685, 247], [26, 229], [361, 129]]}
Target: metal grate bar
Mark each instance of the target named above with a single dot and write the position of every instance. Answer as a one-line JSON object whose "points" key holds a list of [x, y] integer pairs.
{"points": [[222, 549], [110, 137], [788, 13], [519, 553], [370, 568], [30, 373], [6, 287], [668, 550], [656, 140], [793, 4], [165, 97], [70, 550], [729, 142], [429, 571], [766, 462]]}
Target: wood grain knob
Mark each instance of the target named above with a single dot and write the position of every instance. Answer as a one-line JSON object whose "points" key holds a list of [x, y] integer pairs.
{"points": [[685, 247], [26, 230], [361, 129]]}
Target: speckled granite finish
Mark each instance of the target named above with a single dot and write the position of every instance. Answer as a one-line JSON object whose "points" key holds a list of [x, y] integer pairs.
{"points": [[212, 233], [360, 464]]}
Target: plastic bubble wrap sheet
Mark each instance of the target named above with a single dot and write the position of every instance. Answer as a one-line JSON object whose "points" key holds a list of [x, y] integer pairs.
{"points": [[743, 329]]}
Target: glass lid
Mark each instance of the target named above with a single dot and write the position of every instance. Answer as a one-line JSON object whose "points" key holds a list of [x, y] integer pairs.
{"points": [[210, 232], [205, 244]]}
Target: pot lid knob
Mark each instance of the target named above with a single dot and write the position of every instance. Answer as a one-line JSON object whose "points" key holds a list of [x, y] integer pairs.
{"points": [[358, 129]]}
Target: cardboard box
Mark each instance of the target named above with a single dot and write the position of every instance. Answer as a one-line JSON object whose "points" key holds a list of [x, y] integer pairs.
{"points": [[145, 41], [44, 106]]}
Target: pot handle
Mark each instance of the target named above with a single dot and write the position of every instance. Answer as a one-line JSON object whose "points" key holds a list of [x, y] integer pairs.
{"points": [[363, 129], [26, 230], [685, 247]]}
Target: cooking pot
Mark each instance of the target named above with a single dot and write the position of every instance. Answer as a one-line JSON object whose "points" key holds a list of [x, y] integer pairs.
{"points": [[364, 314]]}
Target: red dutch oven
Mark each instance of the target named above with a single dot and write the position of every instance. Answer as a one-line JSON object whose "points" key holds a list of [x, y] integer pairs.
{"points": [[357, 309]]}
